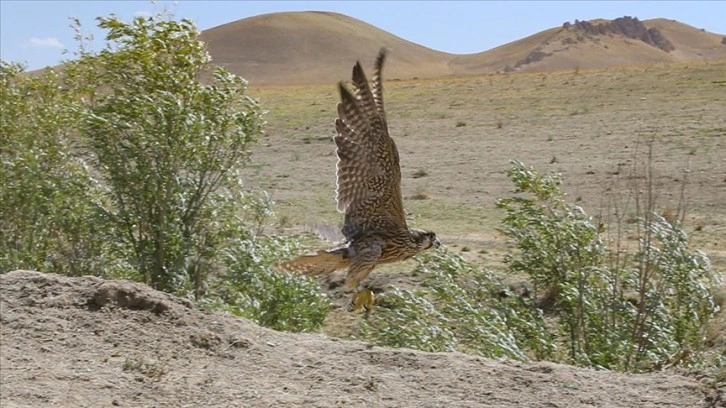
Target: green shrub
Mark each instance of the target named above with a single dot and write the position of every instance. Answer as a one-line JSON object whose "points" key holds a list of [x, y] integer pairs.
{"points": [[166, 144], [555, 239], [408, 319], [674, 288], [167, 139], [458, 308], [639, 313], [50, 217], [251, 287]]}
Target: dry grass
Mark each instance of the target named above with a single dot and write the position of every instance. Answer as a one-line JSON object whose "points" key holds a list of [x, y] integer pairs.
{"points": [[513, 116], [522, 116]]}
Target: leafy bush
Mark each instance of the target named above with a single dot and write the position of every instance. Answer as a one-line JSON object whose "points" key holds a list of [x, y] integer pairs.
{"points": [[647, 311], [254, 289], [558, 248], [167, 139], [638, 314], [249, 285], [459, 308], [674, 291], [50, 203], [408, 319], [165, 143]]}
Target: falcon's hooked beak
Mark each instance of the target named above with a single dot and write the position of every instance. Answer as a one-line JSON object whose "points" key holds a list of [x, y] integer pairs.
{"points": [[433, 242], [436, 243]]}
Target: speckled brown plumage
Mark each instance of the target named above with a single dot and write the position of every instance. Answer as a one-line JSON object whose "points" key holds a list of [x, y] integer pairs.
{"points": [[368, 189]]}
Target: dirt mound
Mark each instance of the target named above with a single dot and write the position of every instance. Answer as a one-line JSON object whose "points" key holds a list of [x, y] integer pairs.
{"points": [[90, 342]]}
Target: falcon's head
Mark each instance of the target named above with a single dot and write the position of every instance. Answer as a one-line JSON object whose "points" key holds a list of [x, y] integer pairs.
{"points": [[424, 239]]}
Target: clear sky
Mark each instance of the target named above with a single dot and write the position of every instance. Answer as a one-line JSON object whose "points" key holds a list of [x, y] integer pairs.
{"points": [[37, 32]]}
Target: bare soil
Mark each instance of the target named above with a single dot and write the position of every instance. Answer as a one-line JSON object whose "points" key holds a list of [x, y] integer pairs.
{"points": [[89, 342]]}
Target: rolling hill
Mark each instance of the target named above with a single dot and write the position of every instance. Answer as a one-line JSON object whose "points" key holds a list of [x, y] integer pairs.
{"points": [[317, 47]]}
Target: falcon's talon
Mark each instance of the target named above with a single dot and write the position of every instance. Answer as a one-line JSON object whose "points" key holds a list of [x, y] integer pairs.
{"points": [[363, 298]]}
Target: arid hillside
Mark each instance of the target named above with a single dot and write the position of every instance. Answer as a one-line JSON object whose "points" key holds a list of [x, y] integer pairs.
{"points": [[87, 342], [317, 47]]}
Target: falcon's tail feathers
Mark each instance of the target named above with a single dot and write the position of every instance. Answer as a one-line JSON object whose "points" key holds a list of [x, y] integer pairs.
{"points": [[322, 263]]}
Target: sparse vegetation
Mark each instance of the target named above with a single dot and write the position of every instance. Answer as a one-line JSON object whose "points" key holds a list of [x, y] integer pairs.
{"points": [[420, 194], [151, 369], [419, 173], [459, 307], [628, 314], [627, 311]]}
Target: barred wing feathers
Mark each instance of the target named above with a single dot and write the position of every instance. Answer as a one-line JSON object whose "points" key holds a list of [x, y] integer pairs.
{"points": [[368, 168]]}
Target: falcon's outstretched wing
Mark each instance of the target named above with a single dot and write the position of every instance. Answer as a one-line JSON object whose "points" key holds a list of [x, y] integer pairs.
{"points": [[368, 169]]}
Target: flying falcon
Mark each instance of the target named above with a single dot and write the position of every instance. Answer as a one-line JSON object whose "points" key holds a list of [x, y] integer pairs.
{"points": [[368, 192]]}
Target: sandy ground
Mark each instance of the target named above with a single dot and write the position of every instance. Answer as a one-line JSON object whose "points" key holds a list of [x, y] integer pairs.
{"points": [[89, 342]]}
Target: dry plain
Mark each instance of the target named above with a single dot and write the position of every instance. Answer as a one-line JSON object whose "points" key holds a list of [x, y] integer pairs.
{"points": [[456, 137]]}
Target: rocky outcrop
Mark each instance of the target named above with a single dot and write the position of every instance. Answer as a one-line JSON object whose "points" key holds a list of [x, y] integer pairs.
{"points": [[629, 27], [534, 56]]}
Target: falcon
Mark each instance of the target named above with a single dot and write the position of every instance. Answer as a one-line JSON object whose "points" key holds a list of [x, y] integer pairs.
{"points": [[368, 192]]}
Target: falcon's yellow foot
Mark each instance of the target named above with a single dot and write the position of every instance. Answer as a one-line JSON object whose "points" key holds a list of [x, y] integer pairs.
{"points": [[362, 298]]}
